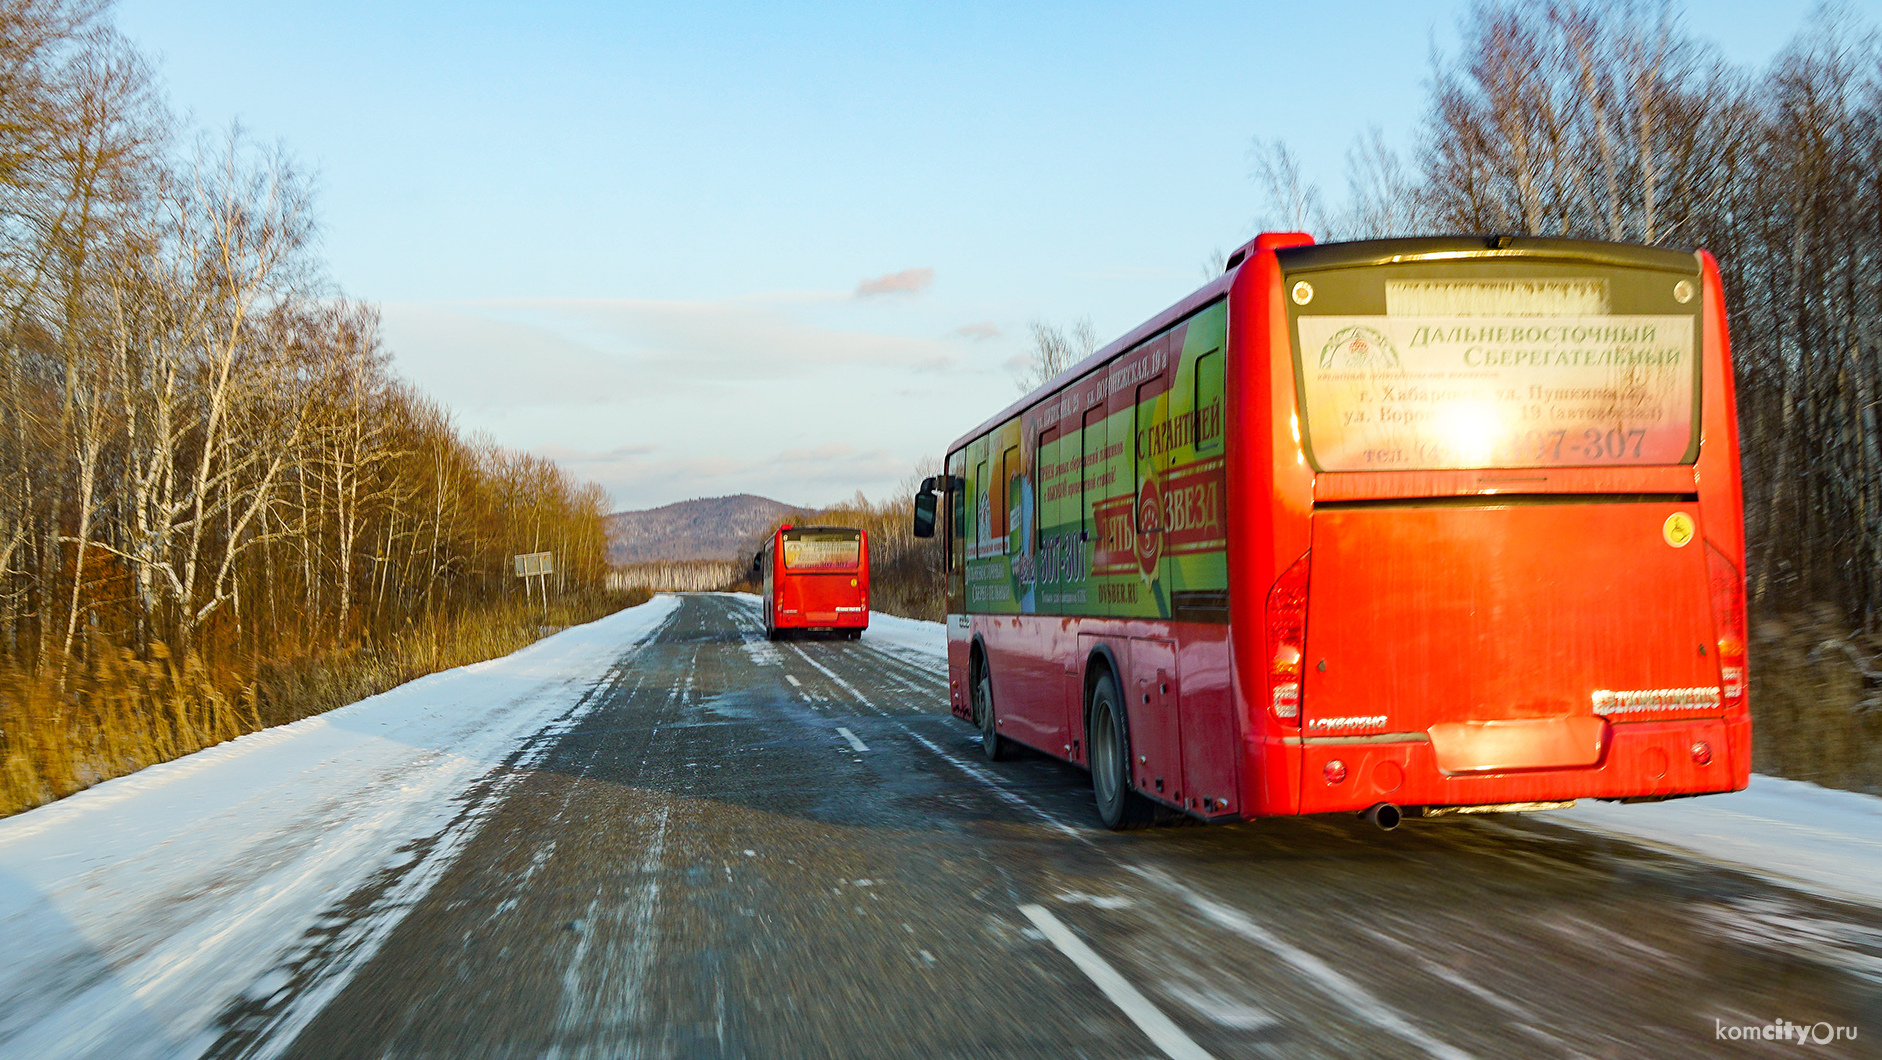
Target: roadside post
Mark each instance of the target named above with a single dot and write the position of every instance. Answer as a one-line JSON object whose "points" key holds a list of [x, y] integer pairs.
{"points": [[538, 565]]}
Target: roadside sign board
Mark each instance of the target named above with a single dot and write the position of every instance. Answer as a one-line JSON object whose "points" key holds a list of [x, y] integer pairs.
{"points": [[534, 563]]}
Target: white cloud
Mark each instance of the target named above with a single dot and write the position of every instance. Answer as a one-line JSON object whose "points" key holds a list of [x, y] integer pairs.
{"points": [[908, 281], [659, 401]]}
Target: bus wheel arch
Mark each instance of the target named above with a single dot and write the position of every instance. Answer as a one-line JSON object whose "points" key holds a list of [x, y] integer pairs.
{"points": [[997, 748]]}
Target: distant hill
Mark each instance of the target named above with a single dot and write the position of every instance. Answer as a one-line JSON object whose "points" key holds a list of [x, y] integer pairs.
{"points": [[709, 528]]}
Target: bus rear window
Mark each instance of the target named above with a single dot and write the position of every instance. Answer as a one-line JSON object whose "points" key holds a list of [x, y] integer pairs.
{"points": [[1409, 368], [821, 550]]}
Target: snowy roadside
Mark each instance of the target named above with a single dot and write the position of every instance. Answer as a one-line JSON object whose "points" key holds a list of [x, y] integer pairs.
{"points": [[1819, 839], [907, 635], [136, 912]]}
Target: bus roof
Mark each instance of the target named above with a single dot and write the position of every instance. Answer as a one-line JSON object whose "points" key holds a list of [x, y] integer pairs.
{"points": [[1479, 248], [1202, 296], [1356, 252]]}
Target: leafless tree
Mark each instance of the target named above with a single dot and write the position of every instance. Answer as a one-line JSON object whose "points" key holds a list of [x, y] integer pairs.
{"points": [[1054, 349], [1291, 201], [1383, 197], [207, 468]]}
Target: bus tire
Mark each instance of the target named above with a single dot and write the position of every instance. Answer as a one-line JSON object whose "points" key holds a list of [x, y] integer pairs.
{"points": [[997, 748], [1108, 737]]}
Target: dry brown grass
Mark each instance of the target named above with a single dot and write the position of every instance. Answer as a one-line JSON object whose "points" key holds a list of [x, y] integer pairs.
{"points": [[116, 716], [118, 713], [1816, 700]]}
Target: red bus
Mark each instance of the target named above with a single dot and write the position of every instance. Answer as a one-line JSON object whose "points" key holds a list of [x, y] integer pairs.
{"points": [[816, 579], [1400, 526]]}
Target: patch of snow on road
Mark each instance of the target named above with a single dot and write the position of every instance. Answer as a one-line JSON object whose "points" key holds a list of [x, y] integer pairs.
{"points": [[137, 910], [761, 651]]}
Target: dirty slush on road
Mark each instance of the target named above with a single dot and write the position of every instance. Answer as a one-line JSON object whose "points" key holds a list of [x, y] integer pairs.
{"points": [[758, 849]]}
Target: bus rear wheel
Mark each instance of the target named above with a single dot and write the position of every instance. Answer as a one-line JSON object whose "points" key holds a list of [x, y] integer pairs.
{"points": [[1108, 737], [996, 747]]}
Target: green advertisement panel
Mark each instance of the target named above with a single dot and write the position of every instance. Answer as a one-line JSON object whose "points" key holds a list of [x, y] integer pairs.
{"points": [[1107, 498]]}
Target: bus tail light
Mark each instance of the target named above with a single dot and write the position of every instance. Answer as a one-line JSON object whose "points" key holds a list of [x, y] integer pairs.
{"points": [[1728, 613], [1287, 635]]}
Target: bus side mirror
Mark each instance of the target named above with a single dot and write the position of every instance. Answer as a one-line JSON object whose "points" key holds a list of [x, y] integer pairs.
{"points": [[924, 511]]}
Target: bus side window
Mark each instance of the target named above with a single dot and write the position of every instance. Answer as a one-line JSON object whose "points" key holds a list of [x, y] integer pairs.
{"points": [[1045, 464], [983, 510], [1011, 478], [957, 539], [1151, 412], [956, 508], [1091, 468], [1207, 429]]}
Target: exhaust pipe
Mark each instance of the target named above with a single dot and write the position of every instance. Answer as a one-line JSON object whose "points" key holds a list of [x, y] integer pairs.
{"points": [[1385, 815]]}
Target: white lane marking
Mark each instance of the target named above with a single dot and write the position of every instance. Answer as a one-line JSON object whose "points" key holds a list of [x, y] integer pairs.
{"points": [[846, 686], [1357, 998], [851, 737], [999, 789], [795, 683], [1150, 1019], [1522, 1013]]}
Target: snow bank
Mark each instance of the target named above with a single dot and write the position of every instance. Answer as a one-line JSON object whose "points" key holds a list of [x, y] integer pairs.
{"points": [[135, 911], [1820, 839], [907, 634]]}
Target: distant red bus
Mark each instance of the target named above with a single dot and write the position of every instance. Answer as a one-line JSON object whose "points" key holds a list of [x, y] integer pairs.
{"points": [[816, 578], [1402, 526]]}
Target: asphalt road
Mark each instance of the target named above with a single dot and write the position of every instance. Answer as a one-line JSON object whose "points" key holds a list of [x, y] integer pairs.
{"points": [[792, 850]]}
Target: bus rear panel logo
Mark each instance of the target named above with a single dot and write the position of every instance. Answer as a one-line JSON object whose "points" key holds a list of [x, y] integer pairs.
{"points": [[1358, 347]]}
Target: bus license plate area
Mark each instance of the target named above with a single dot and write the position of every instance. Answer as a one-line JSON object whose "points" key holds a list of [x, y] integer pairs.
{"points": [[1640, 760]]}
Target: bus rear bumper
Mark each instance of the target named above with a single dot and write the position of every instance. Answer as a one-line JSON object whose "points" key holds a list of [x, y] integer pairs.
{"points": [[826, 621], [1644, 760]]}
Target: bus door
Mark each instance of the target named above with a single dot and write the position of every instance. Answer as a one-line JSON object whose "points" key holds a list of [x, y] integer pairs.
{"points": [[1028, 681]]}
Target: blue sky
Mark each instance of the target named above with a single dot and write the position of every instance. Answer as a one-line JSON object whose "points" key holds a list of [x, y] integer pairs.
{"points": [[697, 249]]}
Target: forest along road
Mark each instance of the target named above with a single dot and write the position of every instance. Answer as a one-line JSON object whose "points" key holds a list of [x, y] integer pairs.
{"points": [[792, 850]]}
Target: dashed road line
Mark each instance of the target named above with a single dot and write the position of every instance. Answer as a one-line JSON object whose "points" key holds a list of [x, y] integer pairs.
{"points": [[1161, 1031], [1356, 998], [851, 737]]}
